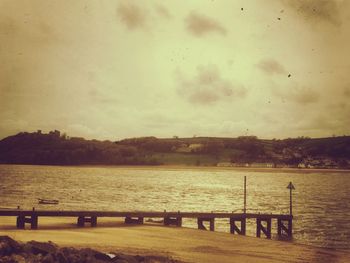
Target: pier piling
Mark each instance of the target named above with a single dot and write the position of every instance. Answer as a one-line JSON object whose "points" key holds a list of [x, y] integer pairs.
{"points": [[133, 220], [175, 221], [284, 227], [22, 220], [87, 219], [261, 228], [234, 228], [200, 222]]}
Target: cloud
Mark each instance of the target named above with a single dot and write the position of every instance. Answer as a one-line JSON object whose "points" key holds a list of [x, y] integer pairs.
{"points": [[208, 87], [162, 11], [297, 94], [200, 25], [271, 66], [304, 96], [101, 97], [315, 11], [23, 36], [328, 123], [131, 15], [32, 29], [8, 26], [346, 92]]}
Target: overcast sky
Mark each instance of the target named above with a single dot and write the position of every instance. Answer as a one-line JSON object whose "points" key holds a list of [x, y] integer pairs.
{"points": [[117, 69]]}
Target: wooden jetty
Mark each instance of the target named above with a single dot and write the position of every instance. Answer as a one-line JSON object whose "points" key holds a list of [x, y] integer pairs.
{"points": [[237, 221]]}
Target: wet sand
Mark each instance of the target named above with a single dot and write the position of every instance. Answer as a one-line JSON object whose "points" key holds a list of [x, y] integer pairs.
{"points": [[188, 245]]}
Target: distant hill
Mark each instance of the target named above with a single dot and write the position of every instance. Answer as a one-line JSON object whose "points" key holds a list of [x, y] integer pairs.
{"points": [[55, 148]]}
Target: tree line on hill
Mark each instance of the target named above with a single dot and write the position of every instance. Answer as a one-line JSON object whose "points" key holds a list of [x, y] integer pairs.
{"points": [[55, 148]]}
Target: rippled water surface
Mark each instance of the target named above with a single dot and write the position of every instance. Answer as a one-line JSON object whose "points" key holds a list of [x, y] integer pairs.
{"points": [[321, 200]]}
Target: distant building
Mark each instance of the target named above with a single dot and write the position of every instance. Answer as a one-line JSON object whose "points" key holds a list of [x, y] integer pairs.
{"points": [[286, 166], [225, 164], [302, 165], [240, 164], [262, 165]]}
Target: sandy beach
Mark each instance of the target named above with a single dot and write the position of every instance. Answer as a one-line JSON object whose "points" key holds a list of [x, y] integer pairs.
{"points": [[188, 245]]}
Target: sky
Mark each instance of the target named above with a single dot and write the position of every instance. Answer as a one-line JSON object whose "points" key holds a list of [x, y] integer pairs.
{"points": [[119, 69]]}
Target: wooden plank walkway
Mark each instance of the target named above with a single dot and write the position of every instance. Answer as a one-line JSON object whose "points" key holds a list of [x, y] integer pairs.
{"points": [[237, 220]]}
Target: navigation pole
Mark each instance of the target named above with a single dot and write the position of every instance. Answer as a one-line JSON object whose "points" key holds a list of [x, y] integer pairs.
{"points": [[245, 194], [291, 188]]}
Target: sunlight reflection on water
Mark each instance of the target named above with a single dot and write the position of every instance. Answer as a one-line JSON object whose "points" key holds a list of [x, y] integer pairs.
{"points": [[321, 207]]}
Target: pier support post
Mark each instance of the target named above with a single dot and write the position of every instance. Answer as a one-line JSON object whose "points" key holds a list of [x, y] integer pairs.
{"points": [[175, 221], [234, 228], [34, 222], [212, 224], [284, 227], [200, 224], [132, 220], [85, 219], [211, 221], [80, 222], [94, 221], [22, 220], [261, 228]]}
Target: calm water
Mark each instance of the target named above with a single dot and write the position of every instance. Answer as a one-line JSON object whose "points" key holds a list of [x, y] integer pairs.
{"points": [[321, 200]]}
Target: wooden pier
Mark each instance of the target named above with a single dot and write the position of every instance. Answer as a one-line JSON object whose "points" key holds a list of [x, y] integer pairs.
{"points": [[237, 221]]}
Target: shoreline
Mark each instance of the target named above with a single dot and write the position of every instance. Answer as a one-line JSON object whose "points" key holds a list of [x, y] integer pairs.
{"points": [[193, 167], [184, 244]]}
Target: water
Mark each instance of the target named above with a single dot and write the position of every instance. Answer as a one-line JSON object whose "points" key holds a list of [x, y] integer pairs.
{"points": [[321, 200]]}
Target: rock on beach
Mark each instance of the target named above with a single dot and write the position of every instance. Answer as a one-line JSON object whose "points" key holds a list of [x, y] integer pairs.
{"points": [[12, 251]]}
